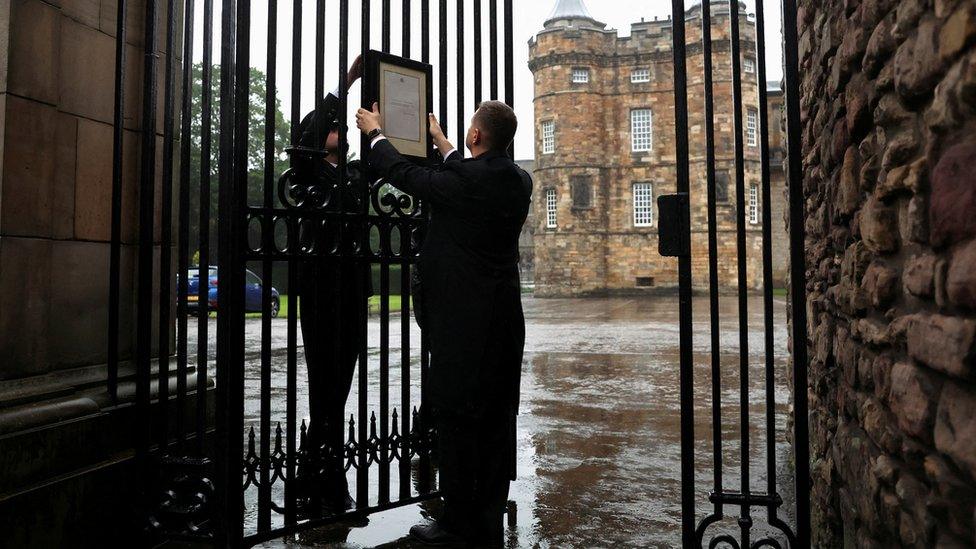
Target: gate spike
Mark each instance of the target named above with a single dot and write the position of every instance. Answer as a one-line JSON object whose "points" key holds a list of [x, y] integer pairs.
{"points": [[352, 429], [278, 438], [250, 440], [372, 425]]}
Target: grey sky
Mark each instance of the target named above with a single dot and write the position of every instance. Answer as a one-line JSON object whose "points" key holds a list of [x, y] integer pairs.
{"points": [[529, 18]]}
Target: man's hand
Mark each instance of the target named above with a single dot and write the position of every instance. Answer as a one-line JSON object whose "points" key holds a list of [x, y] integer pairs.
{"points": [[437, 135], [368, 121], [355, 71]]}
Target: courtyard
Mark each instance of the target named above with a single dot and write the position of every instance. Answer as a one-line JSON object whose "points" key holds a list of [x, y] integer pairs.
{"points": [[599, 425]]}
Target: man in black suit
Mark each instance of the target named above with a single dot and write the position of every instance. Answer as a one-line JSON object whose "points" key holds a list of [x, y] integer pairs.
{"points": [[332, 316], [472, 311]]}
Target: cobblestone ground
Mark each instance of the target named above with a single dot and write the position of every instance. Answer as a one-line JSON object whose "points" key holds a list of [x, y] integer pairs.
{"points": [[599, 429]]}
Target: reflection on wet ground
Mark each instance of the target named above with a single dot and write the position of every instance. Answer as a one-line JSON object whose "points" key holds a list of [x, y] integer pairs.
{"points": [[599, 428]]}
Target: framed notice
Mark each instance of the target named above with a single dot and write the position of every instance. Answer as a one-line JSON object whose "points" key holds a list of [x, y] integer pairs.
{"points": [[402, 88]]}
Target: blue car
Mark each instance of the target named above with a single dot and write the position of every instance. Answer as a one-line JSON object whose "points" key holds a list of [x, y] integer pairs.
{"points": [[252, 292]]}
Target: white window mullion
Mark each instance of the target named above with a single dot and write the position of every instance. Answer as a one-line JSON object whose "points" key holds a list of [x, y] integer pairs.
{"points": [[548, 137], [550, 208], [640, 130], [643, 196]]}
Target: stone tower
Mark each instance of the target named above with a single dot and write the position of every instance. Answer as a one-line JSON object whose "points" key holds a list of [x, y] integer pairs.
{"points": [[604, 123]]}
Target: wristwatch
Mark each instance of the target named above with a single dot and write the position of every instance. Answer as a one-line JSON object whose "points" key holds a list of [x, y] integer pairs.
{"points": [[374, 133]]}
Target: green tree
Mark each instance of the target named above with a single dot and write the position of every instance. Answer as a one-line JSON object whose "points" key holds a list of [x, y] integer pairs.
{"points": [[255, 146]]}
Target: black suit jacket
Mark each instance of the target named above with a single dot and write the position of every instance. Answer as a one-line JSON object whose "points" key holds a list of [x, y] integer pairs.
{"points": [[469, 268]]}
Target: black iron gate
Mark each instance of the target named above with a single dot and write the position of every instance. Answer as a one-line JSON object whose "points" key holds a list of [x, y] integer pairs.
{"points": [[676, 241], [222, 440]]}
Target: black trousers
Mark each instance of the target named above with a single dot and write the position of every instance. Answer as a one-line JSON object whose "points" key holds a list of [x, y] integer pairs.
{"points": [[333, 332], [475, 471]]}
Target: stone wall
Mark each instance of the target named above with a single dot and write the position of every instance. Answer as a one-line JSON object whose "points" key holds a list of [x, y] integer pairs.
{"points": [[598, 249], [889, 148], [64, 445]]}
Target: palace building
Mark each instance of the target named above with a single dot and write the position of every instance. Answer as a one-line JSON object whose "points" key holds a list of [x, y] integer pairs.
{"points": [[605, 150]]}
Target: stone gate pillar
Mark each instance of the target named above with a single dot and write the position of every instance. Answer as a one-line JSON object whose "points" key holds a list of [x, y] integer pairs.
{"points": [[63, 445]]}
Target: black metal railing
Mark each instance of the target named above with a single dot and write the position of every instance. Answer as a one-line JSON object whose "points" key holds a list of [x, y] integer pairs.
{"points": [[699, 532]]}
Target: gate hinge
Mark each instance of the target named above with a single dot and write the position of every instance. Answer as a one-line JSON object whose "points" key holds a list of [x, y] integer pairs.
{"points": [[674, 225]]}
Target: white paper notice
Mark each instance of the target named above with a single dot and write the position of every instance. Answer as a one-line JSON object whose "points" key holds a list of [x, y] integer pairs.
{"points": [[401, 106]]}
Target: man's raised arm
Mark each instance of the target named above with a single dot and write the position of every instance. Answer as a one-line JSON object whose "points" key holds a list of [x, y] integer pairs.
{"points": [[438, 186]]}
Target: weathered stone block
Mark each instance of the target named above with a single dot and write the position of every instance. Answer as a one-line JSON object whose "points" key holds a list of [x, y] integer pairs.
{"points": [[28, 168], [961, 279], [82, 11], [87, 72], [63, 192], [879, 226], [953, 198], [25, 271], [33, 50], [880, 283], [93, 190], [920, 275], [914, 397], [955, 429], [917, 62], [944, 343], [956, 32]]}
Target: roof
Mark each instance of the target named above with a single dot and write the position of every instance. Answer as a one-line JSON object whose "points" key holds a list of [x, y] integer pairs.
{"points": [[566, 10]]}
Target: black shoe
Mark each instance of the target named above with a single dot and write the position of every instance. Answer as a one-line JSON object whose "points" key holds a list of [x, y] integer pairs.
{"points": [[432, 534]]}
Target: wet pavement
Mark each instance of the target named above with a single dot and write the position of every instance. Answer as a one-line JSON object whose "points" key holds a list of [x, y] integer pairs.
{"points": [[599, 428]]}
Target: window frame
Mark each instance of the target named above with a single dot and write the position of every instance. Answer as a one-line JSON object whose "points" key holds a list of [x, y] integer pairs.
{"points": [[548, 141], [752, 127], [642, 214], [749, 65], [753, 204], [551, 201], [634, 139], [583, 71], [646, 78]]}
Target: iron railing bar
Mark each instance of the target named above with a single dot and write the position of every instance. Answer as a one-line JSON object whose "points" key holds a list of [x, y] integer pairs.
{"points": [[509, 63], [476, 15], [405, 293], [144, 300], [385, 7], [767, 255], [291, 391], [267, 243], [423, 480], [405, 27], [425, 34], [203, 278], [166, 231], [713, 293], [442, 56], [405, 236], [362, 471], [684, 280], [798, 326], [183, 238], [338, 441], [745, 520], [459, 77], [384, 465], [320, 70], [231, 174], [115, 248], [493, 48]]}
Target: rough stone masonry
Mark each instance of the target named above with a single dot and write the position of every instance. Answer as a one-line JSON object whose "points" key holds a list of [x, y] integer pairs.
{"points": [[888, 115]]}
